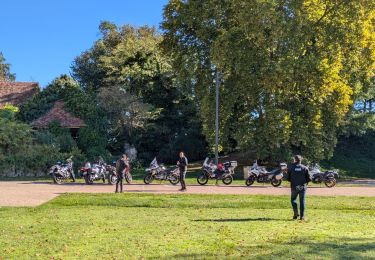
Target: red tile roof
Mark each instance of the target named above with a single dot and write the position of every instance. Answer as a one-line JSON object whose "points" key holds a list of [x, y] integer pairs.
{"points": [[16, 93], [58, 114]]}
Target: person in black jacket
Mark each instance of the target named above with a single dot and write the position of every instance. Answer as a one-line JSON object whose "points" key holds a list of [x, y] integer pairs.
{"points": [[182, 165], [121, 166], [299, 177]]}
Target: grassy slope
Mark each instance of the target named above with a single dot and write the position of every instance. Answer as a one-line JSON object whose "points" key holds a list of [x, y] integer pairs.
{"points": [[188, 226]]}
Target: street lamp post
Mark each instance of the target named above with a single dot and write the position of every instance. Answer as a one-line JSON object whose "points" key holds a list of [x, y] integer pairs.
{"points": [[217, 119]]}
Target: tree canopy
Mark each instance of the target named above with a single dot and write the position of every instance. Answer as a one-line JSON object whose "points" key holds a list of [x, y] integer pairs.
{"points": [[290, 70]]}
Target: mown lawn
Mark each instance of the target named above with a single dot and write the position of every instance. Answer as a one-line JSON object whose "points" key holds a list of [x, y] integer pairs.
{"points": [[146, 226]]}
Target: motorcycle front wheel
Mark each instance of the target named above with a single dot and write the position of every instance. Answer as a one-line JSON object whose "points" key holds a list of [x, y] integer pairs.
{"points": [[249, 181], [57, 179], [128, 178], [227, 179], [148, 179], [112, 179], [276, 183], [174, 180], [88, 179], [202, 179], [330, 183]]}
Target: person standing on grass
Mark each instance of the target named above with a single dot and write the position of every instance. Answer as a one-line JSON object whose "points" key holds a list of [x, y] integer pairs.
{"points": [[182, 165], [121, 165], [299, 177]]}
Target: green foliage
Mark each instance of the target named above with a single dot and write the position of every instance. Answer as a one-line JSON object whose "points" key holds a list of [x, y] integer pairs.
{"points": [[9, 112], [355, 156], [20, 153], [289, 69], [5, 74]]}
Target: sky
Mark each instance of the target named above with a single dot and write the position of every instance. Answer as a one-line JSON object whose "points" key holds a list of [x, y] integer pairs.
{"points": [[41, 38]]}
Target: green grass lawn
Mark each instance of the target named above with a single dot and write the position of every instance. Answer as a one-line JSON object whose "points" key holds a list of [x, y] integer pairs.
{"points": [[146, 226]]}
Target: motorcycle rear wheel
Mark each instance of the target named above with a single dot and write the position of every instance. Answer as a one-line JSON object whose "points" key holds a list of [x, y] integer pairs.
{"points": [[276, 183], [330, 183], [148, 179], [227, 180], [202, 179], [128, 178], [174, 180]]}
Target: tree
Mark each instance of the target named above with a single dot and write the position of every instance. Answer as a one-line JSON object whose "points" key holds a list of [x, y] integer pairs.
{"points": [[5, 74], [289, 68], [137, 88]]}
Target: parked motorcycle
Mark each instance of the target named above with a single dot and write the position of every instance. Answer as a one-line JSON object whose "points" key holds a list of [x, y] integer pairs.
{"points": [[112, 178], [62, 171], [261, 175], [328, 177], [222, 171], [111, 173], [93, 172], [160, 172]]}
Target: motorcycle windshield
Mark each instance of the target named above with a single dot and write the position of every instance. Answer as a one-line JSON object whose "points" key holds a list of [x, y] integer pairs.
{"points": [[154, 163]]}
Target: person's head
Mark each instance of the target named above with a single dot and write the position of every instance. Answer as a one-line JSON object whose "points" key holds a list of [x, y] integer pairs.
{"points": [[297, 158], [182, 154], [124, 156]]}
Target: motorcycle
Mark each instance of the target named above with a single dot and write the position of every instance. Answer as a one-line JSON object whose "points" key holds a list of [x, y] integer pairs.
{"points": [[160, 172], [112, 177], [328, 177], [62, 171], [222, 171], [93, 172], [261, 175]]}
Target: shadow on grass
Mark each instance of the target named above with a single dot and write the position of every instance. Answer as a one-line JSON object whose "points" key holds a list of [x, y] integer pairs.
{"points": [[302, 248], [239, 219]]}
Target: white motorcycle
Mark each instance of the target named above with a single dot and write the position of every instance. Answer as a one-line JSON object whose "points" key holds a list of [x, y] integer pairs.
{"points": [[62, 171], [93, 172], [261, 175]]}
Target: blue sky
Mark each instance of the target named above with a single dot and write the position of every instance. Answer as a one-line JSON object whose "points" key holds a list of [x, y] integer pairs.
{"points": [[40, 38]]}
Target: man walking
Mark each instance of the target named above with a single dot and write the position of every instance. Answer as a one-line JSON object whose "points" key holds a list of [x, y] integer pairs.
{"points": [[121, 165], [299, 177], [182, 165]]}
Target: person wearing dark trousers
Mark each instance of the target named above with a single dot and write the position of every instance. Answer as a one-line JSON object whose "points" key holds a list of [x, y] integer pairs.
{"points": [[121, 166], [299, 177], [182, 165]]}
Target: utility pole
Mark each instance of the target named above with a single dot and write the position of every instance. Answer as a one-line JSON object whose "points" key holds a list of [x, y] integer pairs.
{"points": [[217, 119]]}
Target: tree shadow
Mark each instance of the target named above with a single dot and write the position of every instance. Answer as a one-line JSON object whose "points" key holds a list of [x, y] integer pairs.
{"points": [[303, 248], [240, 219]]}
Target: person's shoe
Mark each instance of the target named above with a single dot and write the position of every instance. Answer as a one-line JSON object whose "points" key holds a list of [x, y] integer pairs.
{"points": [[302, 218], [295, 216], [182, 189]]}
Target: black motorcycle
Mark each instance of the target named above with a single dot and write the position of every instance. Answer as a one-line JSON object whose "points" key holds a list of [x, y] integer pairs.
{"points": [[223, 172], [161, 173], [328, 177], [261, 175], [62, 171]]}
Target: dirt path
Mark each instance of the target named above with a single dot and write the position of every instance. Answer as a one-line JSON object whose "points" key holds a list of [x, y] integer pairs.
{"points": [[28, 193]]}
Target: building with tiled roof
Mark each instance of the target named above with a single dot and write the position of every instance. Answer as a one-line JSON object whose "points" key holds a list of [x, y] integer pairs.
{"points": [[60, 115], [16, 93]]}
